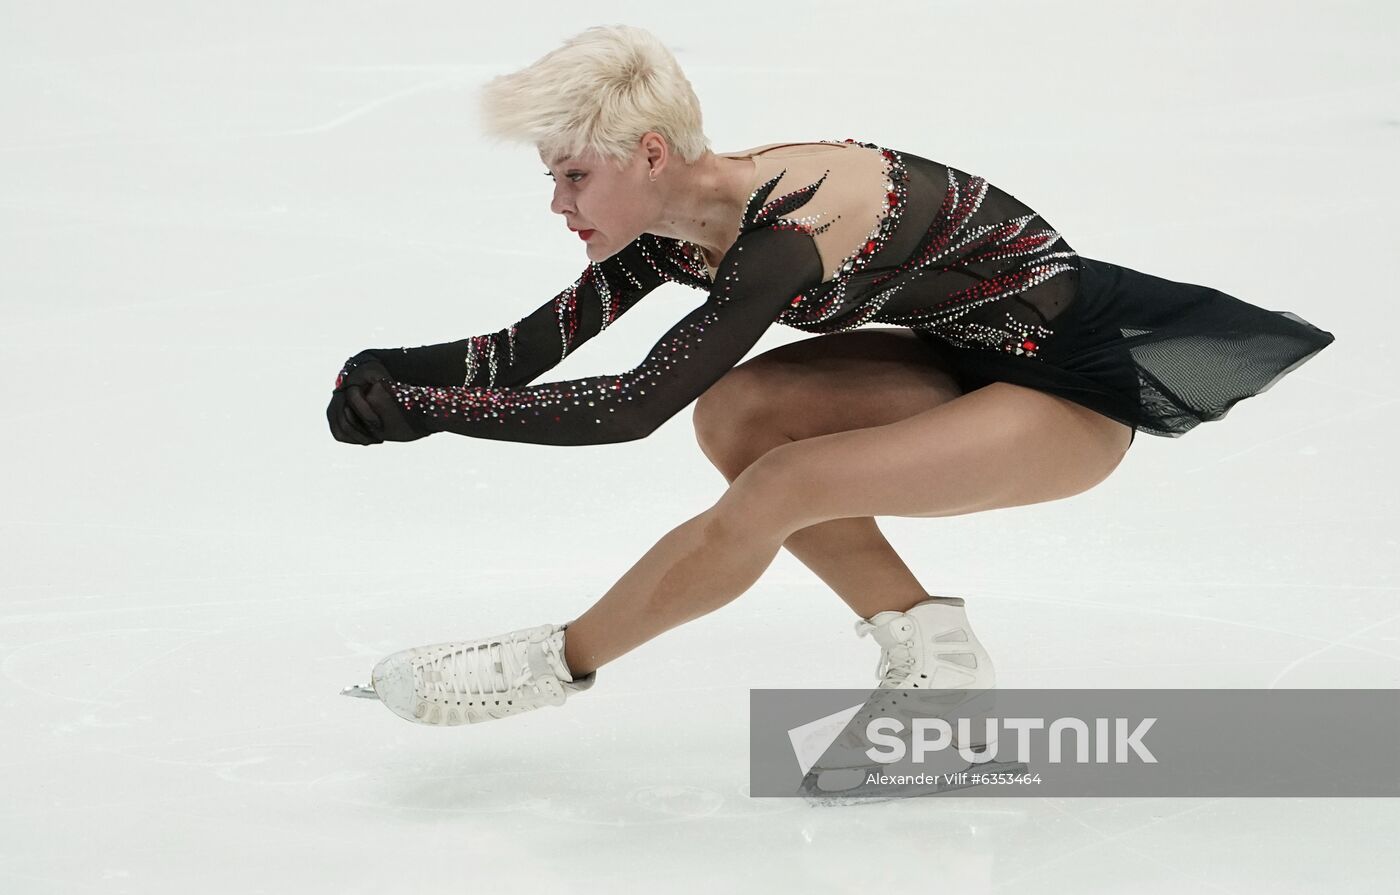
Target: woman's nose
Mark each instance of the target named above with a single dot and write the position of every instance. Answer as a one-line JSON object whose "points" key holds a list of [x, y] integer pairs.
{"points": [[557, 203]]}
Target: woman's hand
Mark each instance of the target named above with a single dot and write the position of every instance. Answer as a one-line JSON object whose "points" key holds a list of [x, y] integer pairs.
{"points": [[350, 417], [391, 421], [362, 369], [362, 410]]}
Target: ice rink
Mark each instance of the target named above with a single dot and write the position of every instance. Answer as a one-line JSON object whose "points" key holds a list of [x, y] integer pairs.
{"points": [[206, 208]]}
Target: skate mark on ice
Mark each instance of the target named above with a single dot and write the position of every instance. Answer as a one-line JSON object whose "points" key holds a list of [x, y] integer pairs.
{"points": [[1334, 643]]}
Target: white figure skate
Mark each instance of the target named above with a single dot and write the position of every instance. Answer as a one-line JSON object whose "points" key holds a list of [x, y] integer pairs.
{"points": [[467, 682], [930, 647]]}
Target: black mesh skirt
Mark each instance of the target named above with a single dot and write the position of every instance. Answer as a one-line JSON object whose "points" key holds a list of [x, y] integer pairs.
{"points": [[1158, 355]]}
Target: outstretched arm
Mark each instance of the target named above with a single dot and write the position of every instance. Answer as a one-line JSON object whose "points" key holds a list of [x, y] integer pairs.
{"points": [[518, 353], [539, 341], [757, 280]]}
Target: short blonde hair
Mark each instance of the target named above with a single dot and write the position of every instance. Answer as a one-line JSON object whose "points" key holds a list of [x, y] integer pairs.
{"points": [[600, 91]]}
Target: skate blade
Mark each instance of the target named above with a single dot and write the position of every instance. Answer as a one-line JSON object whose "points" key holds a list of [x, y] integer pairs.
{"points": [[818, 797], [363, 691]]}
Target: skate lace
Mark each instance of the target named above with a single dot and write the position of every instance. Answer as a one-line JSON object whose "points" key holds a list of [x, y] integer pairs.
{"points": [[492, 668], [896, 663]]}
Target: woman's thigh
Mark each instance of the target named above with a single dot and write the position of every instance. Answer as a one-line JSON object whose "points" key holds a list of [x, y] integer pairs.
{"points": [[829, 383], [999, 446]]}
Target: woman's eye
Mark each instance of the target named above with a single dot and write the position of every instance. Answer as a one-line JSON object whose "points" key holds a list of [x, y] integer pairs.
{"points": [[571, 174]]}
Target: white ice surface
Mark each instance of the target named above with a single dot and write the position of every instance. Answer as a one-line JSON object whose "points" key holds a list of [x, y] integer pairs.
{"points": [[204, 208]]}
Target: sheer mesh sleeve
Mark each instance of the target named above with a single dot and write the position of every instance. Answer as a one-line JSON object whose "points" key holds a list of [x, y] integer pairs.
{"points": [[538, 342], [756, 280]]}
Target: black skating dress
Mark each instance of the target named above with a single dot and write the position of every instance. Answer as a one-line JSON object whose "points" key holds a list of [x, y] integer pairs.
{"points": [[838, 235]]}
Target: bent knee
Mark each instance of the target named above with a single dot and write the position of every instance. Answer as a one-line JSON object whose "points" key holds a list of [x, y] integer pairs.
{"points": [[742, 403], [771, 493]]}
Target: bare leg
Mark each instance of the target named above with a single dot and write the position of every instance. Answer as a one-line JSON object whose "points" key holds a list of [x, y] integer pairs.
{"points": [[1001, 446], [695, 570], [851, 555], [692, 571], [826, 384], [857, 379]]}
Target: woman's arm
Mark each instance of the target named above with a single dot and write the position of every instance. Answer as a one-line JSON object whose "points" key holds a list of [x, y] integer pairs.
{"points": [[539, 341], [759, 276], [517, 354]]}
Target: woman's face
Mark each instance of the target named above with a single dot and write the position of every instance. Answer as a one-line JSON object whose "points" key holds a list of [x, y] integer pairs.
{"points": [[593, 195]]}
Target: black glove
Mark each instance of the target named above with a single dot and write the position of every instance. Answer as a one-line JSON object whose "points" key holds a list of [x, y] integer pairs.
{"points": [[362, 410]]}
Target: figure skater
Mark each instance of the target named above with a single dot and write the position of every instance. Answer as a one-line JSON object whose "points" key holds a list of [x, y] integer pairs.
{"points": [[1009, 370]]}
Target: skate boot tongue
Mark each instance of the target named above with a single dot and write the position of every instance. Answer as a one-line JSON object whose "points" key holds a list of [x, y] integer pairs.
{"points": [[899, 652], [877, 624]]}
